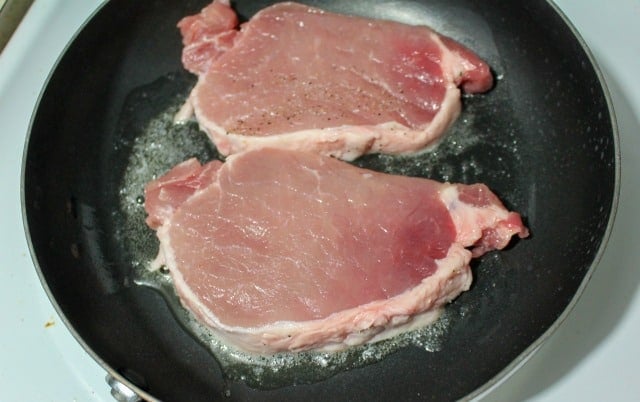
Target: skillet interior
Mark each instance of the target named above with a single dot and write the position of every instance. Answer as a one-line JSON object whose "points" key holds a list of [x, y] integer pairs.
{"points": [[546, 146]]}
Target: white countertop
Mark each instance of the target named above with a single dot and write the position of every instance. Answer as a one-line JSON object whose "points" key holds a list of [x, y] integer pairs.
{"points": [[593, 356]]}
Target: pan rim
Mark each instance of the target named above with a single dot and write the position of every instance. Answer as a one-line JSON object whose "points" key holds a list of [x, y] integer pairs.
{"points": [[477, 394], [110, 371], [526, 354]]}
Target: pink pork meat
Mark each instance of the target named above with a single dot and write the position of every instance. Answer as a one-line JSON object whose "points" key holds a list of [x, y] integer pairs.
{"points": [[298, 77], [278, 250]]}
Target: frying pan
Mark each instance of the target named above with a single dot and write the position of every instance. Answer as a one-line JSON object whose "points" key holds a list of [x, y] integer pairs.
{"points": [[544, 139]]}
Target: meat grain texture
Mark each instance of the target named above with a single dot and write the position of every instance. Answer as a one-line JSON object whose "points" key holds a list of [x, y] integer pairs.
{"points": [[301, 78], [280, 250]]}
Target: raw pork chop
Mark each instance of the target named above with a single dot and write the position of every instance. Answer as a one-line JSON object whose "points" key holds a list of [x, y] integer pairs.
{"points": [[297, 77], [280, 250]]}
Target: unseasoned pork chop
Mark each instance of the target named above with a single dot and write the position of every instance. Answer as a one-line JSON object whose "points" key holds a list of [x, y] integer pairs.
{"points": [[298, 77], [278, 250]]}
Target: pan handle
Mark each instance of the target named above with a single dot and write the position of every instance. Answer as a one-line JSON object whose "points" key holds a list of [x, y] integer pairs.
{"points": [[121, 392]]}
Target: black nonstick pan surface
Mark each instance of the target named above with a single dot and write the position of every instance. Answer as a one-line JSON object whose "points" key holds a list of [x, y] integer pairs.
{"points": [[544, 139]]}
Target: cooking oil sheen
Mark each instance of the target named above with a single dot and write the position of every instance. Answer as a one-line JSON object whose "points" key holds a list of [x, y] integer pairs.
{"points": [[159, 144]]}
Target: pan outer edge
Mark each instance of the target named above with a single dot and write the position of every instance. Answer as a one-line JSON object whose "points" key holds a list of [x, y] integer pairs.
{"points": [[110, 371], [524, 357]]}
